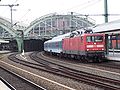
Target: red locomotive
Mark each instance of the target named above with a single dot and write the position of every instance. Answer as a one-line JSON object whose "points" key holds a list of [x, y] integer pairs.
{"points": [[86, 46]]}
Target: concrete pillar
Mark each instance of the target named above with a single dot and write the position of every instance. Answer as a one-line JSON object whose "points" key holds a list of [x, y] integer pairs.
{"points": [[107, 44], [117, 41]]}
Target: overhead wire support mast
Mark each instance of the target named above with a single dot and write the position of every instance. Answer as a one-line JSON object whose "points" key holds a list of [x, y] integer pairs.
{"points": [[11, 6], [106, 11]]}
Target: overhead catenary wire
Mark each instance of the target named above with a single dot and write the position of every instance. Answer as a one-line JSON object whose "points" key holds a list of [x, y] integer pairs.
{"points": [[14, 2], [84, 5], [25, 14], [87, 6], [90, 4]]}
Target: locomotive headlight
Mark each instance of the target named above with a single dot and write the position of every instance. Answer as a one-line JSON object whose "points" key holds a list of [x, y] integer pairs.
{"points": [[102, 48], [89, 46], [87, 49]]}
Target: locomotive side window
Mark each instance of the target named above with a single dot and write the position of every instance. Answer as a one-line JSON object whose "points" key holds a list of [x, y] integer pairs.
{"points": [[94, 38], [81, 39]]}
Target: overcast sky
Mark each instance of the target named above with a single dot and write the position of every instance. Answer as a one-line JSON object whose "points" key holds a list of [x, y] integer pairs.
{"points": [[29, 10]]}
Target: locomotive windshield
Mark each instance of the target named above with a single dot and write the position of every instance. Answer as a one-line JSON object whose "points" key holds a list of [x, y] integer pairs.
{"points": [[94, 38]]}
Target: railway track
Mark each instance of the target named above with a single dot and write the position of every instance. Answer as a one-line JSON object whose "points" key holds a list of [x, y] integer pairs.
{"points": [[80, 76], [110, 64], [51, 67], [107, 63], [18, 82]]}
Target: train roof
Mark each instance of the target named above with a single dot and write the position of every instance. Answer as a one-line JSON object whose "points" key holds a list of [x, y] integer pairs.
{"points": [[60, 37], [68, 34], [92, 34]]}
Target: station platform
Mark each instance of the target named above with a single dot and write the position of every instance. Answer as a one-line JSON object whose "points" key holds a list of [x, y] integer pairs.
{"points": [[113, 55], [4, 51], [3, 86]]}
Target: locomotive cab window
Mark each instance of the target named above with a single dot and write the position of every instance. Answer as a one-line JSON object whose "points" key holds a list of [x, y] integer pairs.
{"points": [[90, 38], [94, 38], [98, 38]]}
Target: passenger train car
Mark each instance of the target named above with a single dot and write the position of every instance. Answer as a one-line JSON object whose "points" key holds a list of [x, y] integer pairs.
{"points": [[86, 46]]}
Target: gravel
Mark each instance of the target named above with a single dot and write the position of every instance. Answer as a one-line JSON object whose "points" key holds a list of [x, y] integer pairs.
{"points": [[49, 86]]}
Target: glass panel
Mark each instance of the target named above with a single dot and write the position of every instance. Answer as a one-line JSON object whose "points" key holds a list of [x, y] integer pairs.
{"points": [[90, 39], [98, 38], [94, 38]]}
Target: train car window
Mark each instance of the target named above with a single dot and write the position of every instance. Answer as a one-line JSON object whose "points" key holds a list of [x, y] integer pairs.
{"points": [[60, 44], [57, 43]]}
